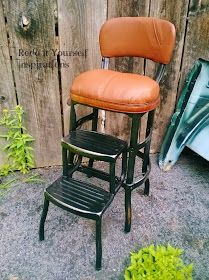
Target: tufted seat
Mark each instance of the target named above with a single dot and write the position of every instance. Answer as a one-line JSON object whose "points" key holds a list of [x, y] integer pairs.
{"points": [[115, 91]]}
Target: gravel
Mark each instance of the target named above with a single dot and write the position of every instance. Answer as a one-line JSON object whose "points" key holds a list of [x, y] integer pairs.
{"points": [[176, 212]]}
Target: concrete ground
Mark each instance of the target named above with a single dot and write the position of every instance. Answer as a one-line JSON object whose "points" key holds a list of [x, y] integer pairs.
{"points": [[177, 211]]}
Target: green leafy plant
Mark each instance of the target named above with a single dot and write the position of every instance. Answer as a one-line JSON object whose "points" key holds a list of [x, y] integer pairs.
{"points": [[18, 148], [158, 263]]}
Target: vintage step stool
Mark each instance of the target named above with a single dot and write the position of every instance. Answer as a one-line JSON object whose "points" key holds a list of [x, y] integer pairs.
{"points": [[131, 94]]}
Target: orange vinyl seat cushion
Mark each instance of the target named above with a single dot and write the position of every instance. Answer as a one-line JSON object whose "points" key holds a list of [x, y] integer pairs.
{"points": [[115, 91]]}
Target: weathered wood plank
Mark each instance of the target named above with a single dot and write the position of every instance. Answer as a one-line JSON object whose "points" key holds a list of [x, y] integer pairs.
{"points": [[197, 39], [79, 25], [176, 12], [119, 124], [31, 28], [7, 90]]}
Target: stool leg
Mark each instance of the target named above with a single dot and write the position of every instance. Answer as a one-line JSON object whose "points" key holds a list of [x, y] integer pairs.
{"points": [[72, 127], [72, 117], [64, 162], [146, 160], [43, 219], [146, 187], [133, 148], [130, 171], [94, 128], [128, 211], [112, 177], [98, 244]]}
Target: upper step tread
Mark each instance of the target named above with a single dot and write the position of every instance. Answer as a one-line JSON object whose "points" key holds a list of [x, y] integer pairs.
{"points": [[94, 143]]}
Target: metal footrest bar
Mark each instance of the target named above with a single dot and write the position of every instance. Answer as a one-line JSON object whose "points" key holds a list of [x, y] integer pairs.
{"points": [[138, 183], [140, 154], [101, 175], [94, 172], [143, 144]]}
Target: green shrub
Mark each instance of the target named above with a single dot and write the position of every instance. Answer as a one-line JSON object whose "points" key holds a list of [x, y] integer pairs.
{"points": [[158, 263], [18, 143]]}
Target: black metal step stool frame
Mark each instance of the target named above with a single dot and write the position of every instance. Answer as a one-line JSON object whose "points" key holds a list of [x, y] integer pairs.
{"points": [[134, 148], [72, 164]]}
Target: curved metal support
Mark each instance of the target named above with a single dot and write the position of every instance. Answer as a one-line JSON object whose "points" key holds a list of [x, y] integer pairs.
{"points": [[75, 166], [71, 128], [84, 120], [138, 183], [159, 73], [142, 144]]}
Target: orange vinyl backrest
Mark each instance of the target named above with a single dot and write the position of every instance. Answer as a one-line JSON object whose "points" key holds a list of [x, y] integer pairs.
{"points": [[145, 37]]}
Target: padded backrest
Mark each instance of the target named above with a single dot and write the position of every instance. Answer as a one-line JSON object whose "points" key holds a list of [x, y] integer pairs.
{"points": [[145, 37]]}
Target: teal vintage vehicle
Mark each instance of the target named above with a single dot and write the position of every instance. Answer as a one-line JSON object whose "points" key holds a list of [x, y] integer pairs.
{"points": [[189, 125]]}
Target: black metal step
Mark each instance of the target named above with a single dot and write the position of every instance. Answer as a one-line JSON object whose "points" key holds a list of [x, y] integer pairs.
{"points": [[79, 197], [94, 145]]}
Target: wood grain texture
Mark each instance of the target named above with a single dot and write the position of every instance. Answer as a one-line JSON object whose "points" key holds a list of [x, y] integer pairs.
{"points": [[79, 24], [176, 12], [31, 28], [7, 90], [119, 124], [197, 39]]}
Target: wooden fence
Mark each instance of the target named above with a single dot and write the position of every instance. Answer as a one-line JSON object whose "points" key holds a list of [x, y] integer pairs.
{"points": [[45, 44]]}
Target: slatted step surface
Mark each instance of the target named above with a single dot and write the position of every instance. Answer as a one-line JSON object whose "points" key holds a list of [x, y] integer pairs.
{"points": [[94, 145], [79, 197]]}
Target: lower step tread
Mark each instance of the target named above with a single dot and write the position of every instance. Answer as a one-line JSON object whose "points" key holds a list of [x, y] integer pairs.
{"points": [[79, 197]]}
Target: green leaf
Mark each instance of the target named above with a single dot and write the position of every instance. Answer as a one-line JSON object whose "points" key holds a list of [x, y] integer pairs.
{"points": [[34, 179], [4, 135], [29, 148], [7, 184]]}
